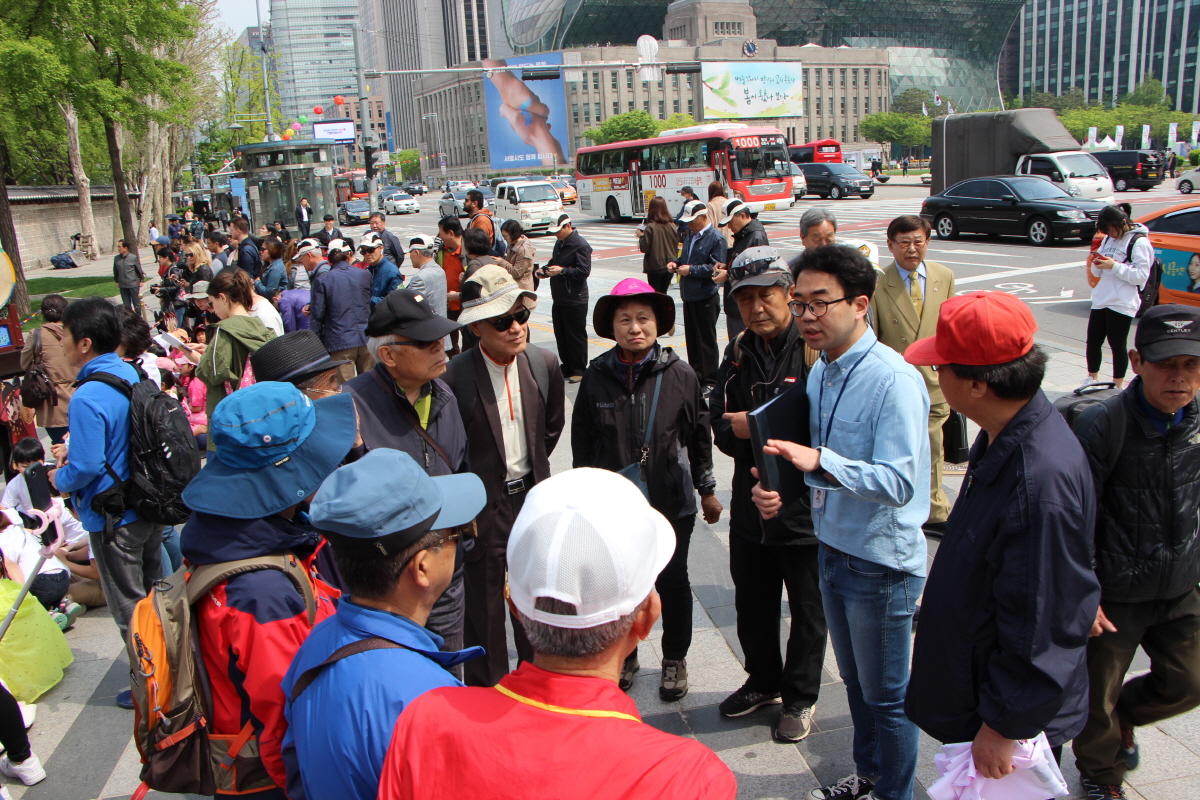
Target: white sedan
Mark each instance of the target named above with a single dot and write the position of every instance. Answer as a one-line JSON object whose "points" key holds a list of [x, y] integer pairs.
{"points": [[1188, 181], [401, 203]]}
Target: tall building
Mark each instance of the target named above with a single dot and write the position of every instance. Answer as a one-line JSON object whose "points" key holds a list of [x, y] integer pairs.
{"points": [[314, 53], [1108, 47], [951, 46]]}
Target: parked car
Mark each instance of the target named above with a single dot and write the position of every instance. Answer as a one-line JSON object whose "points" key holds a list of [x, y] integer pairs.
{"points": [[1077, 173], [1011, 205], [401, 203], [354, 212], [1132, 169], [451, 204], [566, 192], [1175, 234], [836, 180], [799, 185], [415, 187], [1188, 181], [534, 204]]}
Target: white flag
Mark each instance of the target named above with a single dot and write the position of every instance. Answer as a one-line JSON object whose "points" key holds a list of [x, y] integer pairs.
{"points": [[1195, 133], [1145, 137], [1172, 134], [1119, 136], [924, 108], [1092, 131], [949, 107], [937, 99]]}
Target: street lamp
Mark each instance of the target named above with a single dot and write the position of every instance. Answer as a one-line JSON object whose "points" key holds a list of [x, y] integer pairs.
{"points": [[438, 125]]}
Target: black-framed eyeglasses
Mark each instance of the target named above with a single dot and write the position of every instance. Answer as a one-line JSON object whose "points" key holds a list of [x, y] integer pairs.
{"points": [[504, 323], [818, 307], [414, 343], [749, 270]]}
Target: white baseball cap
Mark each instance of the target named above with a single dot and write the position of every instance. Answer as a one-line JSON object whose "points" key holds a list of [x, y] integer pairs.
{"points": [[559, 222], [420, 242], [693, 209], [338, 246], [372, 240], [308, 246], [587, 537]]}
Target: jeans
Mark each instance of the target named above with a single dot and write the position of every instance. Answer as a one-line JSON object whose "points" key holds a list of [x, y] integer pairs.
{"points": [[172, 555], [1104, 323], [129, 564], [869, 610], [49, 588]]}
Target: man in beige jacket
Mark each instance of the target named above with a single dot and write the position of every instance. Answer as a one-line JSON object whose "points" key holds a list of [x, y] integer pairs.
{"points": [[904, 309]]}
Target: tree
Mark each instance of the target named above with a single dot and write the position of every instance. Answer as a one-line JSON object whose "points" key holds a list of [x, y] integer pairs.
{"points": [[409, 163], [1149, 93], [623, 127], [676, 120], [910, 102], [906, 130]]}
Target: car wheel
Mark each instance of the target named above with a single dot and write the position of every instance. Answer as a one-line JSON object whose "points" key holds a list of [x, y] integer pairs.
{"points": [[1121, 185], [1039, 232], [823, 195], [835, 192], [612, 211], [1145, 188], [946, 227], [1186, 187]]}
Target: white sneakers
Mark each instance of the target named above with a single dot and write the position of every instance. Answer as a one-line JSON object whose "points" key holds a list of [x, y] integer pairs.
{"points": [[1088, 381], [27, 772]]}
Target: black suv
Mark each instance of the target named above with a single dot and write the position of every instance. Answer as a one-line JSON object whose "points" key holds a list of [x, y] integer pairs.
{"points": [[836, 181], [1132, 169]]}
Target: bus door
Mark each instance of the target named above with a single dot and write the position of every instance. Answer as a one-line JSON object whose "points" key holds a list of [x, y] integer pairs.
{"points": [[721, 168], [636, 199]]}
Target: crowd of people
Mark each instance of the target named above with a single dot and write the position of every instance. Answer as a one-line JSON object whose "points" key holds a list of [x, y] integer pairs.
{"points": [[376, 507]]}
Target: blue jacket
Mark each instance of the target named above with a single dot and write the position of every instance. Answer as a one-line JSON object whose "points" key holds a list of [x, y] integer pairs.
{"points": [[248, 258], [1012, 595], [341, 305], [345, 717], [99, 425], [273, 280], [385, 279], [701, 251]]}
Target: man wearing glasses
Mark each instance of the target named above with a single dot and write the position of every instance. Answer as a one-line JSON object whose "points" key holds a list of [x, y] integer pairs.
{"points": [[403, 405], [868, 468], [510, 396], [904, 309]]}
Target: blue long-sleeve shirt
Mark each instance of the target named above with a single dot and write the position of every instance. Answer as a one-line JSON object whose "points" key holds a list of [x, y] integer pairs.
{"points": [[273, 280], [385, 279], [99, 427], [877, 449], [367, 691]]}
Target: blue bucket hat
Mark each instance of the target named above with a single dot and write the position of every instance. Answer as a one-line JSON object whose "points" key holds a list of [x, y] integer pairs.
{"points": [[385, 502], [274, 448]]}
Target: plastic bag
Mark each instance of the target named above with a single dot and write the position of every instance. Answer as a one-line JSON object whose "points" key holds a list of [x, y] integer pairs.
{"points": [[34, 652], [1037, 775]]}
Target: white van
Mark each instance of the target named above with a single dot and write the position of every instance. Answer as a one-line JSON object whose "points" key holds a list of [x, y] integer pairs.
{"points": [[535, 204], [1077, 173]]}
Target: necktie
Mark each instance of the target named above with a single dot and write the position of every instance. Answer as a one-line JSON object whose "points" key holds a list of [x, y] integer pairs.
{"points": [[914, 292]]}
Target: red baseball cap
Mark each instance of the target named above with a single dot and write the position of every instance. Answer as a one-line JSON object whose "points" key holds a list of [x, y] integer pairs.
{"points": [[977, 329]]}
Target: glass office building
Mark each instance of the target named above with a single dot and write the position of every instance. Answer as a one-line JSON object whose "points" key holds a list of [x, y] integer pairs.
{"points": [[314, 53], [1108, 47]]}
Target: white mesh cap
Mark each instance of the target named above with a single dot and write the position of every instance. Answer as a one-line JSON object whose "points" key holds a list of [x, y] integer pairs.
{"points": [[586, 537]]}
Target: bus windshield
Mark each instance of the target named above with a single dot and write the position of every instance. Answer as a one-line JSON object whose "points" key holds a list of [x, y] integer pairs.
{"points": [[532, 194], [767, 161]]}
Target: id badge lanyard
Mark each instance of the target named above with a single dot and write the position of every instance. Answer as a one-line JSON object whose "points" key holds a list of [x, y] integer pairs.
{"points": [[824, 433]]}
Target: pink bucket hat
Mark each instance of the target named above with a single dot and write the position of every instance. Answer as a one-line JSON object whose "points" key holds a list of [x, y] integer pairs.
{"points": [[663, 305]]}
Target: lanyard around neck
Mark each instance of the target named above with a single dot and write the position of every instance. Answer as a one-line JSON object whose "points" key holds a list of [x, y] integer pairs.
{"points": [[842, 391]]}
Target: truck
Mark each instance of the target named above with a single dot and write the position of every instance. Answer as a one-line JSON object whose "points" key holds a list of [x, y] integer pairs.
{"points": [[1026, 141]]}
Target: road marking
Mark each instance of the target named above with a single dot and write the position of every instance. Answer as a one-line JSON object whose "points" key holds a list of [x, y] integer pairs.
{"points": [[1008, 274]]}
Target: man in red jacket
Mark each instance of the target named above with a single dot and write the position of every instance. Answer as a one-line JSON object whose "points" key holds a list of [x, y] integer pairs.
{"points": [[582, 559], [275, 448]]}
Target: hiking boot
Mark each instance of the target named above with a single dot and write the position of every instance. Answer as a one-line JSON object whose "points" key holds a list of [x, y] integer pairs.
{"points": [[629, 670], [27, 772], [851, 787], [1101, 791], [745, 700], [125, 700], [673, 685], [794, 724], [1129, 749]]}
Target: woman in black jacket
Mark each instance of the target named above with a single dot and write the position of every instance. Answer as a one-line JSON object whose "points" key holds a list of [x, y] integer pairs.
{"points": [[614, 408]]}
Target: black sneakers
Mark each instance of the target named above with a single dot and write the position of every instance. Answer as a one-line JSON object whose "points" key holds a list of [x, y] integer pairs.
{"points": [[851, 787], [674, 682], [629, 670], [745, 700], [1101, 791]]}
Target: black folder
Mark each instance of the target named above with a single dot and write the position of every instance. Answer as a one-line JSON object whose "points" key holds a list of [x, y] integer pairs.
{"points": [[785, 417]]}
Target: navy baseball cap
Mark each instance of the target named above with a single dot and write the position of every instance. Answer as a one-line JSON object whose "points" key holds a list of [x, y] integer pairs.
{"points": [[274, 448], [385, 502]]}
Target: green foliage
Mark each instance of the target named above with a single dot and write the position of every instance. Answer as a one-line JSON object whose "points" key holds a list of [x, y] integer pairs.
{"points": [[909, 102], [676, 120], [1149, 93], [623, 127], [906, 130], [408, 162], [1073, 99], [1194, 158], [1106, 120]]}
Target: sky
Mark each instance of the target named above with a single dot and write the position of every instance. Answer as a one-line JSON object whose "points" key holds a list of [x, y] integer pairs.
{"points": [[237, 15]]}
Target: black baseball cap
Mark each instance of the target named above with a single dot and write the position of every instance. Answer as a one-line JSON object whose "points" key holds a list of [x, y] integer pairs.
{"points": [[408, 313], [1167, 331]]}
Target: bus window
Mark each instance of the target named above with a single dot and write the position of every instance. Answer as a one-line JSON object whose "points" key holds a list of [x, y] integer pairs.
{"points": [[802, 155], [614, 161], [692, 154], [666, 156]]}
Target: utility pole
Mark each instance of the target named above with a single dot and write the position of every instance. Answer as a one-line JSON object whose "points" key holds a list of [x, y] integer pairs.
{"points": [[364, 115], [262, 52], [437, 124]]}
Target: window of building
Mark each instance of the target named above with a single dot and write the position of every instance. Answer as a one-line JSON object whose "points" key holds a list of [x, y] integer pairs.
{"points": [[727, 28], [587, 112], [662, 109], [817, 78], [830, 71], [629, 79], [843, 133], [674, 106], [688, 77], [616, 107], [674, 81], [574, 87], [646, 106], [805, 79], [866, 105], [646, 85], [843, 79], [806, 137], [679, 32], [854, 77], [691, 108], [818, 131], [575, 113], [597, 112], [818, 106], [596, 81], [856, 133], [843, 105], [631, 105], [856, 105], [614, 80], [879, 78]]}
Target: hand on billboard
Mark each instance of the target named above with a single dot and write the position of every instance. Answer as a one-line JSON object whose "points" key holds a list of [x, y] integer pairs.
{"points": [[514, 92], [534, 131]]}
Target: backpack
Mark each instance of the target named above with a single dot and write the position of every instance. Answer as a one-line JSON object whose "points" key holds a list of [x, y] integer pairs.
{"points": [[36, 386], [499, 247], [1149, 292], [172, 698], [163, 455], [1073, 405], [464, 378]]}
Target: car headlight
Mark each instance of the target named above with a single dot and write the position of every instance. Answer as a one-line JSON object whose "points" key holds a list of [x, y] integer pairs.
{"points": [[524, 215], [1074, 191], [1074, 216]]}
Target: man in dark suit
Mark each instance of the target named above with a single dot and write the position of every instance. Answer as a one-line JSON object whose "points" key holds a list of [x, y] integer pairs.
{"points": [[703, 249], [511, 398], [303, 217]]}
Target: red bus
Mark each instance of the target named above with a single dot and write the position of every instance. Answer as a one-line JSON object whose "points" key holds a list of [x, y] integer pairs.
{"points": [[822, 150], [619, 179], [351, 185]]}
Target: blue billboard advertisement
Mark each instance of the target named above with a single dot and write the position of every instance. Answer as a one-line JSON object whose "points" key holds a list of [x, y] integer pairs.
{"points": [[1181, 269], [526, 122]]}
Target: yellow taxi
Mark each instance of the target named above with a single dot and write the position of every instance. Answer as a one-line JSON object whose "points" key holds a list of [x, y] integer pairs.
{"points": [[566, 192]]}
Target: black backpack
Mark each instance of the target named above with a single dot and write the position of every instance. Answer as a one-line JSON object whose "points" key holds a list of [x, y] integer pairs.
{"points": [[499, 247], [1149, 292], [163, 454], [1072, 406]]}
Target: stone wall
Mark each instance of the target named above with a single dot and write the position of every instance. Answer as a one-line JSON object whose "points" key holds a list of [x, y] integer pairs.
{"points": [[45, 229]]}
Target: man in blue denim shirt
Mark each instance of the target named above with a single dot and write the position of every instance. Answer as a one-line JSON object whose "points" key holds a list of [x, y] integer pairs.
{"points": [[869, 474]]}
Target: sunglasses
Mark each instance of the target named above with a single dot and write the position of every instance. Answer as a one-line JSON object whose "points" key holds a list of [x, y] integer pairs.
{"points": [[504, 323], [417, 344]]}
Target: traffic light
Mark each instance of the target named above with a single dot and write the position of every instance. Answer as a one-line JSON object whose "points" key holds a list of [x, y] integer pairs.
{"points": [[369, 158]]}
